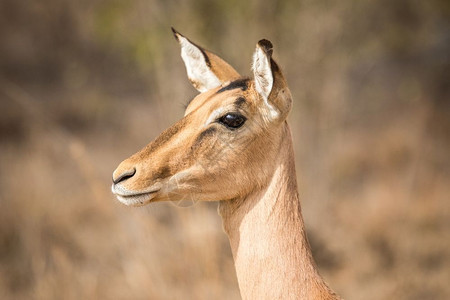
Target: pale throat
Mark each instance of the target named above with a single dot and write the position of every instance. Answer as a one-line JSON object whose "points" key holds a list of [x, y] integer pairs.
{"points": [[267, 235]]}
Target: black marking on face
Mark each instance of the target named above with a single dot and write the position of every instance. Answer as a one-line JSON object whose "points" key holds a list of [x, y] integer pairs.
{"points": [[241, 83], [162, 173], [208, 132], [204, 135], [239, 102]]}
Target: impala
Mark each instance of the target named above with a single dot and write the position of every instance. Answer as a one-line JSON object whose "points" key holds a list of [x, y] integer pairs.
{"points": [[234, 146]]}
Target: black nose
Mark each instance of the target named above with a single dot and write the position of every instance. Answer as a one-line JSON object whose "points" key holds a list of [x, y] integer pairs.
{"points": [[124, 176]]}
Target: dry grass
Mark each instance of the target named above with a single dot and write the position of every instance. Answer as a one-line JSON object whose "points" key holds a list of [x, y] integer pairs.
{"points": [[84, 85]]}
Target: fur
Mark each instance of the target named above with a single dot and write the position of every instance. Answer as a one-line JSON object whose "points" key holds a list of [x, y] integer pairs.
{"points": [[249, 170]]}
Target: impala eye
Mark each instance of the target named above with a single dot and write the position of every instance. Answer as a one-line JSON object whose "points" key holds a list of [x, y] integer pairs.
{"points": [[232, 120]]}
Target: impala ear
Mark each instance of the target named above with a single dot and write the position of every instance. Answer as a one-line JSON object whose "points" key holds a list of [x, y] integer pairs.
{"points": [[205, 70], [270, 83]]}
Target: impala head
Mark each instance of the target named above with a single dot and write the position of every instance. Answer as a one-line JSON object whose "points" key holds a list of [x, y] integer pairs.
{"points": [[224, 146]]}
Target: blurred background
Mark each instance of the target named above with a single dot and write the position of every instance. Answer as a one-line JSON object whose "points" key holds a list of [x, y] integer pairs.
{"points": [[85, 84]]}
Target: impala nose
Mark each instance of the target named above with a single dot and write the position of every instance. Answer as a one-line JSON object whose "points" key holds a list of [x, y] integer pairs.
{"points": [[122, 175]]}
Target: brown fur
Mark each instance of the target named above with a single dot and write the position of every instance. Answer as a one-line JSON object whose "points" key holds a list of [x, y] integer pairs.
{"points": [[272, 255], [251, 172]]}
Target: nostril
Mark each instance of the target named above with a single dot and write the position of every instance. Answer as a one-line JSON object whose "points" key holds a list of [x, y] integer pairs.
{"points": [[124, 176]]}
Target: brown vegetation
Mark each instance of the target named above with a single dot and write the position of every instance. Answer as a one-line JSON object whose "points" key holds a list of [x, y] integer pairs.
{"points": [[84, 84]]}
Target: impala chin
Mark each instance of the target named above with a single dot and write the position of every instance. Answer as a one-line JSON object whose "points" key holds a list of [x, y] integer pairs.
{"points": [[133, 198], [234, 146]]}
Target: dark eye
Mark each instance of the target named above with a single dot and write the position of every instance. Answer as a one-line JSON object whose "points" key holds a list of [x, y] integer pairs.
{"points": [[232, 120]]}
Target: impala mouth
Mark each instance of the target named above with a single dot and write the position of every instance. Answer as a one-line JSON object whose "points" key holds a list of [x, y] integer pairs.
{"points": [[132, 198]]}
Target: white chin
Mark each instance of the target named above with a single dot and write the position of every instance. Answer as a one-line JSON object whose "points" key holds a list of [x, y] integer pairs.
{"points": [[138, 200], [128, 198]]}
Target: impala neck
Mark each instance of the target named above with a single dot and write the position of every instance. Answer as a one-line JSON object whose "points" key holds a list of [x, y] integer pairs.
{"points": [[272, 256]]}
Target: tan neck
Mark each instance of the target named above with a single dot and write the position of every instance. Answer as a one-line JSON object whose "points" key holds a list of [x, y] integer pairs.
{"points": [[272, 256]]}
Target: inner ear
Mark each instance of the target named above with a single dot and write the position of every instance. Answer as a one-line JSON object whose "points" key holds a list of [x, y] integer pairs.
{"points": [[205, 70], [270, 83], [263, 73], [262, 69]]}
